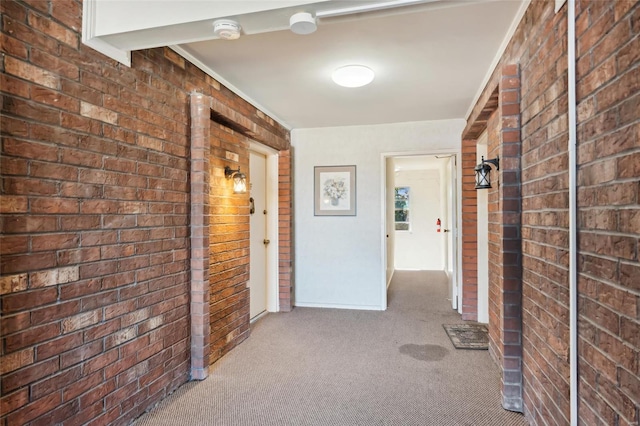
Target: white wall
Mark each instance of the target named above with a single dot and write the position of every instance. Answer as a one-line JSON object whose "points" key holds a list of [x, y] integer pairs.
{"points": [[340, 259], [483, 239], [421, 247]]}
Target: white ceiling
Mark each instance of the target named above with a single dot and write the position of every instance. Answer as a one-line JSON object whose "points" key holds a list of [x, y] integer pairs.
{"points": [[431, 57]]}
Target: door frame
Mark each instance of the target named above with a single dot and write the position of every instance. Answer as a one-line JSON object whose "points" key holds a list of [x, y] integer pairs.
{"points": [[271, 185], [482, 218], [457, 235]]}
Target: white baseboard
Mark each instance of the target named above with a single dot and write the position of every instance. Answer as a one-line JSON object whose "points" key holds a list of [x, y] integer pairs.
{"points": [[339, 306]]}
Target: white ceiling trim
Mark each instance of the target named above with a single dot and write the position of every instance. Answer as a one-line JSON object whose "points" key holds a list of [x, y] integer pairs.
{"points": [[89, 38], [195, 61], [503, 46], [369, 8]]}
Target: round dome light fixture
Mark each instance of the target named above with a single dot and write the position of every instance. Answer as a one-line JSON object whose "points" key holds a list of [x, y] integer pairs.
{"points": [[302, 23], [226, 29], [353, 76]]}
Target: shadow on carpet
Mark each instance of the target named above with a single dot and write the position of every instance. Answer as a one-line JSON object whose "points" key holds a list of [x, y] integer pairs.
{"points": [[468, 336]]}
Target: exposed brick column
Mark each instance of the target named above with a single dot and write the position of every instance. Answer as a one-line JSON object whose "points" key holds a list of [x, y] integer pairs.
{"points": [[469, 232], [506, 258], [496, 300], [200, 328], [285, 231]]}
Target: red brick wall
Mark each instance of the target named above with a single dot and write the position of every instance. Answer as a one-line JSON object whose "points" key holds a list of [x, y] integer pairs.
{"points": [[545, 218], [285, 231], [229, 244], [608, 96], [95, 221], [609, 292], [469, 232]]}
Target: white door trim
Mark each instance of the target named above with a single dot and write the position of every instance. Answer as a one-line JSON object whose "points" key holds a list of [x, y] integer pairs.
{"points": [[273, 301], [455, 195], [483, 239]]}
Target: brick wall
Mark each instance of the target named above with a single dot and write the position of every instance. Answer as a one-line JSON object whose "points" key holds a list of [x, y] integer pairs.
{"points": [[545, 218], [469, 232], [608, 123], [95, 221], [285, 231], [229, 244], [608, 97]]}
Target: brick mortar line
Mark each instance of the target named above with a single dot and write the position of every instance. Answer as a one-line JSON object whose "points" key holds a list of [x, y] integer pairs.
{"points": [[595, 412], [613, 284], [541, 401], [542, 308], [527, 116], [596, 325], [529, 343]]}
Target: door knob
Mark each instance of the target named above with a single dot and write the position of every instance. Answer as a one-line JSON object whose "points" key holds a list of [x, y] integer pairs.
{"points": [[266, 242]]}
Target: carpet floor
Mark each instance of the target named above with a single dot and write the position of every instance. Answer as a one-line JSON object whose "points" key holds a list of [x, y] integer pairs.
{"points": [[347, 367]]}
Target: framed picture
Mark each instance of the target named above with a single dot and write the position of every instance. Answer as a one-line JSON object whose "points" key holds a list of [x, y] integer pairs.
{"points": [[335, 191]]}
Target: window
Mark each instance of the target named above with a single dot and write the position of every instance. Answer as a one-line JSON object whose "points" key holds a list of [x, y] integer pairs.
{"points": [[402, 208]]}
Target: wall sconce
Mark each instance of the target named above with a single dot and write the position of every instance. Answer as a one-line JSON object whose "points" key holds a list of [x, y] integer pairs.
{"points": [[483, 172], [239, 180]]}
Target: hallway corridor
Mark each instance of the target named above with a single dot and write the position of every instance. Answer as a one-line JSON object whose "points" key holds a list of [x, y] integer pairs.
{"points": [[345, 367]]}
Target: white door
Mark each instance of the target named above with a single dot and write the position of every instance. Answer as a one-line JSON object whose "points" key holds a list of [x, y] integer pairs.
{"points": [[258, 234]]}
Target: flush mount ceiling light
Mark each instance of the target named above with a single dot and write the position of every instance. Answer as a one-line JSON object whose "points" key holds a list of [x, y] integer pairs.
{"points": [[353, 76], [226, 29], [302, 23]]}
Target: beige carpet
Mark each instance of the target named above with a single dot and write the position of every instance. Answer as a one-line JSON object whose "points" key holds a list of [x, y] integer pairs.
{"points": [[346, 367]]}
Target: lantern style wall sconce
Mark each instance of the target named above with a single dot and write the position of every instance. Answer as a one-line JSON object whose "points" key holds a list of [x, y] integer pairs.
{"points": [[483, 172], [239, 180]]}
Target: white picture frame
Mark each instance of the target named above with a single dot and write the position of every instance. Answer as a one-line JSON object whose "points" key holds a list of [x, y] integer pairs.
{"points": [[335, 191]]}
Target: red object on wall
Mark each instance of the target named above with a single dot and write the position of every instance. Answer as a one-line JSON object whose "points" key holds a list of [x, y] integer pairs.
{"points": [[438, 225]]}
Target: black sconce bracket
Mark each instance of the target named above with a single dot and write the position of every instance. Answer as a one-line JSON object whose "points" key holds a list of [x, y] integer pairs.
{"points": [[494, 161], [229, 172]]}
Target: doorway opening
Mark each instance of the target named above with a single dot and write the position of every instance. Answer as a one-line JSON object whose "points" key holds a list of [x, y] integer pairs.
{"points": [[421, 218]]}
